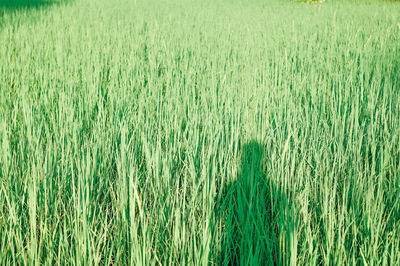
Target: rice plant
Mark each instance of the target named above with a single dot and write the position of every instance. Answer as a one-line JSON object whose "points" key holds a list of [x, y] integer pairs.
{"points": [[200, 133]]}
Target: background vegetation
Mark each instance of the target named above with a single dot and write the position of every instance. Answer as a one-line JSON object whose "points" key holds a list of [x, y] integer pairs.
{"points": [[200, 132]]}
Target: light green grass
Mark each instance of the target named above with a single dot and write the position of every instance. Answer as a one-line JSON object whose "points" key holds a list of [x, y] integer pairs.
{"points": [[212, 132]]}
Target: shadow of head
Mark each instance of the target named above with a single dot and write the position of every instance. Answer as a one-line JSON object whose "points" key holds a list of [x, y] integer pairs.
{"points": [[248, 213]]}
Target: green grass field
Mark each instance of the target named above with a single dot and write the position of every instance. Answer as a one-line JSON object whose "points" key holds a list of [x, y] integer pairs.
{"points": [[199, 132]]}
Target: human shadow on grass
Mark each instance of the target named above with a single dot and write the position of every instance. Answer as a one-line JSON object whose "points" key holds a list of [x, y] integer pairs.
{"points": [[252, 210]]}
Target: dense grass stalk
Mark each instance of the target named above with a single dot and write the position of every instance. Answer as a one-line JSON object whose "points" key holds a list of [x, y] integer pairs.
{"points": [[178, 132]]}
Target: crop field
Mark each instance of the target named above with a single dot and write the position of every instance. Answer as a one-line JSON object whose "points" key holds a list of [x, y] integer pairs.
{"points": [[187, 132]]}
